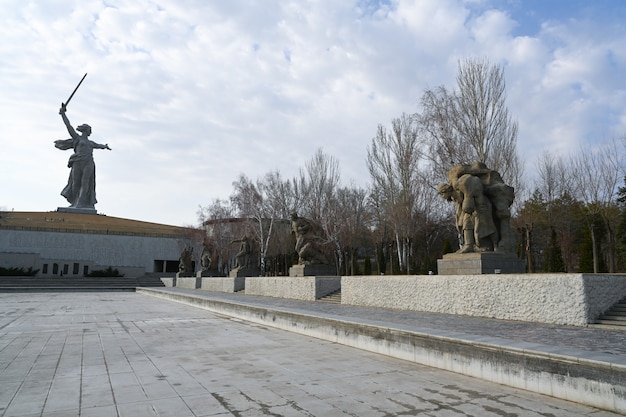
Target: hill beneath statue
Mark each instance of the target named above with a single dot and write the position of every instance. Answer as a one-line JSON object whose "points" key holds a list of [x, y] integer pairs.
{"points": [[86, 223]]}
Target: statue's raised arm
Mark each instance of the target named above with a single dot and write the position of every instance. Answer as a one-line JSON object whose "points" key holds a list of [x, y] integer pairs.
{"points": [[68, 125]]}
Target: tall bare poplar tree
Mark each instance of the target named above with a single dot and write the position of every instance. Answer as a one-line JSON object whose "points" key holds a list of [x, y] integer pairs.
{"points": [[317, 185], [393, 162], [472, 123], [596, 174], [218, 232], [316, 193]]}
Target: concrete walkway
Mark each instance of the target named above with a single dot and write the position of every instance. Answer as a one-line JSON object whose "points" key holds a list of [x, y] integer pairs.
{"points": [[128, 354]]}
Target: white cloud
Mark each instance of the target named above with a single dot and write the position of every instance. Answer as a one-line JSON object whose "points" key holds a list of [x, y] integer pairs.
{"points": [[189, 94]]}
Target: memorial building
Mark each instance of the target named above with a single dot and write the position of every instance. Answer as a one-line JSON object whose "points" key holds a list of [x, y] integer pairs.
{"points": [[74, 244]]}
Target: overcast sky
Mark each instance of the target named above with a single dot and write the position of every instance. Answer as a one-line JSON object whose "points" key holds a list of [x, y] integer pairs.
{"points": [[189, 94]]}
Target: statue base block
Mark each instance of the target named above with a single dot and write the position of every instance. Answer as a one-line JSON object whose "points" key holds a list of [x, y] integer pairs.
{"points": [[244, 272], [314, 270], [477, 263], [190, 283], [297, 288], [76, 210], [223, 284], [209, 273]]}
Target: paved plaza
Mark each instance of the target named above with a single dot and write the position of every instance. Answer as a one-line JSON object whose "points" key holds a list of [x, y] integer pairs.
{"points": [[127, 354]]}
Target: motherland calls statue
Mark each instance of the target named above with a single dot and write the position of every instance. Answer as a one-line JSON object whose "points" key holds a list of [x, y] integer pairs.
{"points": [[483, 204], [80, 190]]}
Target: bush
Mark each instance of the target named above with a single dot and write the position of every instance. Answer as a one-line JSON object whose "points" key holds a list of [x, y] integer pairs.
{"points": [[18, 272], [109, 272]]}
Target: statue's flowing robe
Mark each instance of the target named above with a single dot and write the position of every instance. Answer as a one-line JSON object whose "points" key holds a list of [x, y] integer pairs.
{"points": [[80, 190]]}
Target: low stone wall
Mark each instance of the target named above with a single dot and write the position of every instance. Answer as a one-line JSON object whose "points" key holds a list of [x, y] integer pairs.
{"points": [[570, 299], [168, 281], [223, 284], [190, 283], [299, 288]]}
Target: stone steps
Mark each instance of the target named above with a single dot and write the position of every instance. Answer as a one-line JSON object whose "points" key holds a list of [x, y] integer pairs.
{"points": [[333, 297], [150, 280], [614, 318], [78, 283]]}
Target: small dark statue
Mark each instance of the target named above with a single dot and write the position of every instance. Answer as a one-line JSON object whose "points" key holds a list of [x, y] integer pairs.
{"points": [[185, 263], [243, 257], [309, 241]]}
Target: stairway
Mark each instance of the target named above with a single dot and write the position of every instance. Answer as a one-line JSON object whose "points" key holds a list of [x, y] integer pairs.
{"points": [[332, 298], [615, 317], [12, 284], [152, 279]]}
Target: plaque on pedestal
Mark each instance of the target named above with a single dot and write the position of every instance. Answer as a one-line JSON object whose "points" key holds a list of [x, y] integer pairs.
{"points": [[476, 263], [312, 270]]}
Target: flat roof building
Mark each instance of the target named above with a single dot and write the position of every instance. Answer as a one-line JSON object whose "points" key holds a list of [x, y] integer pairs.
{"points": [[64, 243]]}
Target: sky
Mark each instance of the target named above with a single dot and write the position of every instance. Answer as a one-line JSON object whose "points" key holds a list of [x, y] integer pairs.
{"points": [[190, 94]]}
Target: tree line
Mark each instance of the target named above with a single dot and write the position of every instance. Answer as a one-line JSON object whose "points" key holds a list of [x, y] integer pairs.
{"points": [[570, 217]]}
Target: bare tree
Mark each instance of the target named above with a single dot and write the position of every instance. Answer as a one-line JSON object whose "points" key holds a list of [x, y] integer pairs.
{"points": [[444, 144], [595, 175], [354, 216], [555, 187], [393, 162], [316, 191], [216, 219], [249, 200], [317, 184], [472, 123], [279, 194], [279, 203], [552, 177]]}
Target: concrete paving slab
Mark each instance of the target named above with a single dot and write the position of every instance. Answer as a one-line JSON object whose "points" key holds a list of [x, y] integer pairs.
{"points": [[576, 364], [128, 354]]}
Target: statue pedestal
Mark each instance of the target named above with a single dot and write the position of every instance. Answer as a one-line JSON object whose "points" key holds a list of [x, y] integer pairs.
{"points": [[208, 273], [244, 272], [477, 263], [298, 288], [76, 210], [313, 270], [223, 284]]}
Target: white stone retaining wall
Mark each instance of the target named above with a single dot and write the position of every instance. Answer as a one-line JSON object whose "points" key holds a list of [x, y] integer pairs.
{"points": [[299, 288], [190, 283], [570, 299], [226, 284], [602, 291], [168, 281]]}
